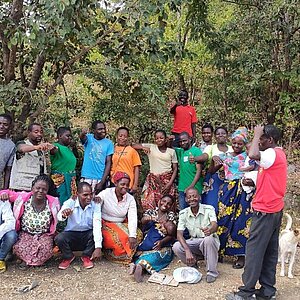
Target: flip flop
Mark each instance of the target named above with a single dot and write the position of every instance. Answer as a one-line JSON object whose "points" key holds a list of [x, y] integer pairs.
{"points": [[238, 265]]}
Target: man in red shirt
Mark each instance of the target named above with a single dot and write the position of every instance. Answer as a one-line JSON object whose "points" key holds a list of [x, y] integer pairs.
{"points": [[185, 118], [262, 245]]}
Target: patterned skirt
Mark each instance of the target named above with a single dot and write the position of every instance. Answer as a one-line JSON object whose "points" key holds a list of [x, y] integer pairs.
{"points": [[34, 250], [234, 218], [116, 242], [211, 186], [154, 260], [152, 190]]}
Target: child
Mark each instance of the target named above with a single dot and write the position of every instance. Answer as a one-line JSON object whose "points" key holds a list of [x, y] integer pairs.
{"points": [[250, 168]]}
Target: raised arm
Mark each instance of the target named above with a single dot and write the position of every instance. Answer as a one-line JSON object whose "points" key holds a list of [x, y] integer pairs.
{"points": [[254, 152]]}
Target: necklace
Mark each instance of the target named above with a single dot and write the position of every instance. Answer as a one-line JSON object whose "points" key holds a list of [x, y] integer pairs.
{"points": [[38, 208]]}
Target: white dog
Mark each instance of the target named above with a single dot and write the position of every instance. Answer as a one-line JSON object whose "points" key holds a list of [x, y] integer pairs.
{"points": [[288, 246]]}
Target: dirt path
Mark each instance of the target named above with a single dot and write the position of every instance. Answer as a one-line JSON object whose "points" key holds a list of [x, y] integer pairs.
{"points": [[111, 281]]}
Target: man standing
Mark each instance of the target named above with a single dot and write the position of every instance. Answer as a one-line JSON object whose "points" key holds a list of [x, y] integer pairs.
{"points": [[83, 230], [8, 235], [189, 172], [185, 118], [267, 204], [201, 222], [97, 156], [30, 160], [7, 149]]}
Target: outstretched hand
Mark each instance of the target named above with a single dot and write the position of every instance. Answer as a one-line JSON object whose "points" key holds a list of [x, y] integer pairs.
{"points": [[66, 213]]}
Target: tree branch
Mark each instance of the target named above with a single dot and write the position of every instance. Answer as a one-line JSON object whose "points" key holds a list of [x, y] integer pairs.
{"points": [[37, 72], [242, 3]]}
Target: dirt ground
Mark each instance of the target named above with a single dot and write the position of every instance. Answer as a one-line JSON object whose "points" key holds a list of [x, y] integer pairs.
{"points": [[111, 281]]}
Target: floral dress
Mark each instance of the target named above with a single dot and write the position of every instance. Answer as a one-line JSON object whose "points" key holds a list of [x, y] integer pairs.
{"points": [[35, 244], [234, 215]]}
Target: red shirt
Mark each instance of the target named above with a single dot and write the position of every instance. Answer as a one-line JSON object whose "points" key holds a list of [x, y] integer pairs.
{"points": [[271, 185], [183, 118]]}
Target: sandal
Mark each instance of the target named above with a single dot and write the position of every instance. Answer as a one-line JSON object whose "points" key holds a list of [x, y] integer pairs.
{"points": [[239, 263]]}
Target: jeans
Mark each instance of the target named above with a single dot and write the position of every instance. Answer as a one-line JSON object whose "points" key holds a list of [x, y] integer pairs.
{"points": [[69, 241], [7, 242]]}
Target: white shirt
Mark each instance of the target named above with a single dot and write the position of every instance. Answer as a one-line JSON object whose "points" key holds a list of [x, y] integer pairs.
{"points": [[83, 219], [116, 211], [7, 220], [267, 158]]}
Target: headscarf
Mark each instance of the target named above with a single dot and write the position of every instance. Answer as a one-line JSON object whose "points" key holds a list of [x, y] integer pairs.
{"points": [[241, 133], [119, 175]]}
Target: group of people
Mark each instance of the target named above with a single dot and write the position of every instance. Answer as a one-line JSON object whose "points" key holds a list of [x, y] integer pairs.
{"points": [[200, 200]]}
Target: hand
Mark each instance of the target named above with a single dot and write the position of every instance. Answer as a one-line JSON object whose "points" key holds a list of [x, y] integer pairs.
{"points": [[146, 150], [44, 147], [166, 189], [132, 243], [248, 182], [190, 259], [217, 160], [99, 187], [259, 130], [97, 199], [133, 189], [191, 159], [97, 254], [66, 213], [157, 245], [206, 231], [4, 197], [189, 187]]}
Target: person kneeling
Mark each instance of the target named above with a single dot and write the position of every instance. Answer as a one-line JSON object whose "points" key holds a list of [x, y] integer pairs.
{"points": [[83, 230], [201, 222]]}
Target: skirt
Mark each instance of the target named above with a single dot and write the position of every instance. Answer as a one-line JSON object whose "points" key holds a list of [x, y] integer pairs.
{"points": [[116, 242], [34, 250], [234, 218]]}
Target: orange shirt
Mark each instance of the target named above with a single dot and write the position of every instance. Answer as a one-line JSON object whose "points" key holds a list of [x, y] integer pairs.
{"points": [[124, 160], [183, 118]]}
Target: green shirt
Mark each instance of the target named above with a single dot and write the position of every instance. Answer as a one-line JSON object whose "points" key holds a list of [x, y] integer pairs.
{"points": [[187, 170], [187, 220], [63, 160]]}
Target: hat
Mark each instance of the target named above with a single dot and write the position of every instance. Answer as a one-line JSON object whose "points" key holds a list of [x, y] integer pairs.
{"points": [[187, 274], [119, 175]]}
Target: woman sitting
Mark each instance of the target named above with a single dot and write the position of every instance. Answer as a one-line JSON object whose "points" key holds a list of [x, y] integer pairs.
{"points": [[155, 251], [36, 218], [119, 220]]}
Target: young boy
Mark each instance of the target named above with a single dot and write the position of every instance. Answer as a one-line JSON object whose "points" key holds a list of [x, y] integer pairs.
{"points": [[189, 173], [185, 117]]}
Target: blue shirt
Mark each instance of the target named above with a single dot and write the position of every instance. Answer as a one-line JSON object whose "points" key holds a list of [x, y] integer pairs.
{"points": [[95, 153], [83, 219]]}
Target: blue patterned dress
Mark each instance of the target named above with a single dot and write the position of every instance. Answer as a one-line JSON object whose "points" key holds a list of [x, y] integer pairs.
{"points": [[234, 216]]}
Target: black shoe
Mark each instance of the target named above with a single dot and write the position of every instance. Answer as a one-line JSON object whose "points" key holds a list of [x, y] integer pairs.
{"points": [[235, 296]]}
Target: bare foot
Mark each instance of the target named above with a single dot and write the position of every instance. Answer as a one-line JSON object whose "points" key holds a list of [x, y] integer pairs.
{"points": [[131, 268], [138, 273]]}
